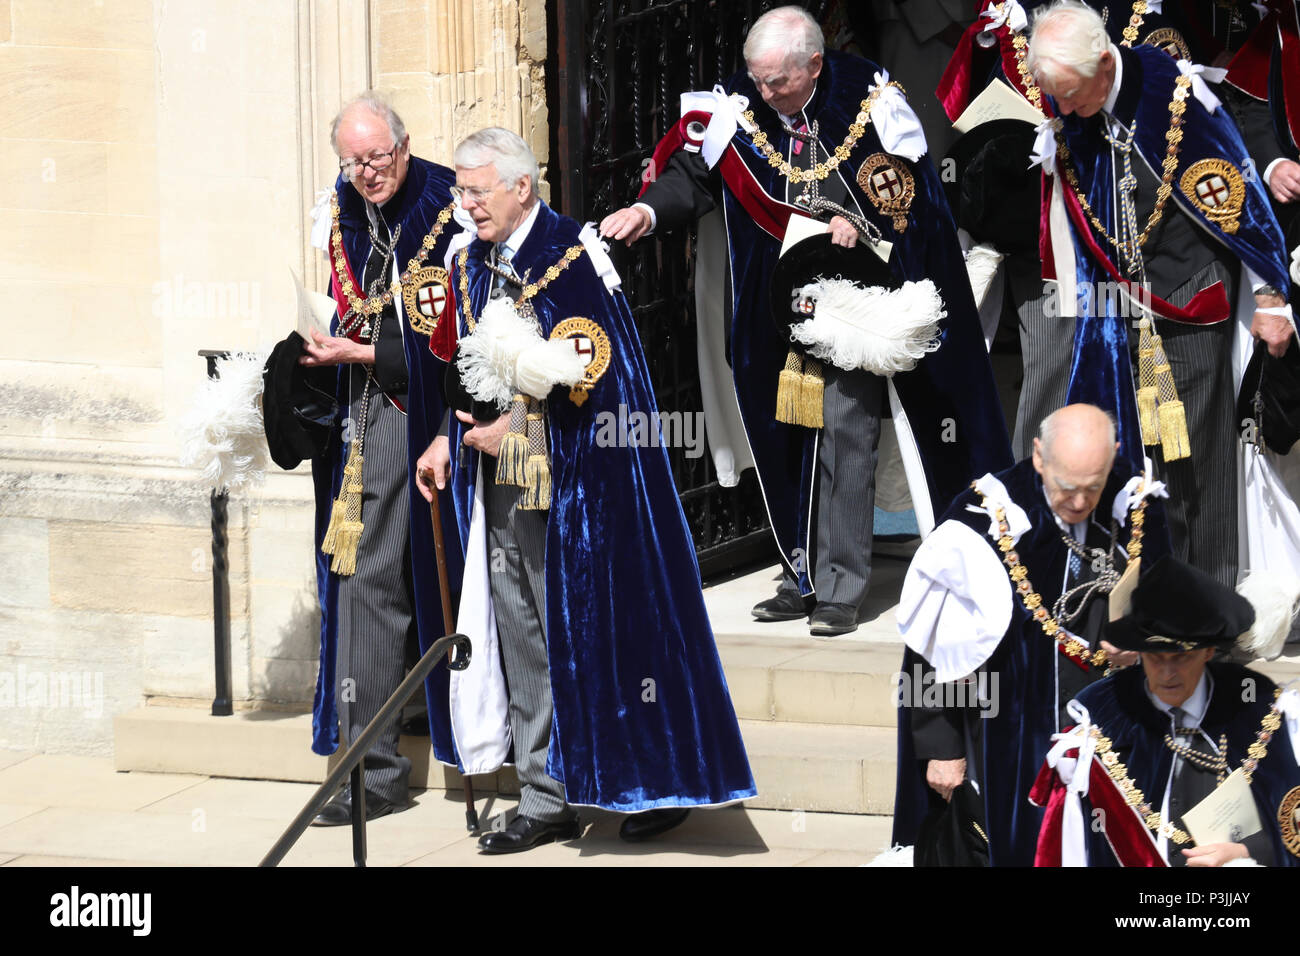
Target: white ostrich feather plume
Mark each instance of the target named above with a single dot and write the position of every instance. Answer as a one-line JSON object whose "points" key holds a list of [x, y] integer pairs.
{"points": [[881, 330], [1275, 596], [222, 434], [488, 356]]}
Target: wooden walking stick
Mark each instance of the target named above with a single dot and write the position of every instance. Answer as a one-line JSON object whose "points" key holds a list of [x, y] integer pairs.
{"points": [[449, 624]]}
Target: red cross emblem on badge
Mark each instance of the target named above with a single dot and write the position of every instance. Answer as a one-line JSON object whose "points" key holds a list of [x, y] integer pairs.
{"points": [[431, 299], [1212, 190], [583, 346], [886, 184]]}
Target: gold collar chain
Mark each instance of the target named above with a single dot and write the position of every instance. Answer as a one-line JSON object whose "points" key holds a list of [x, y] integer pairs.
{"points": [[1134, 797], [1134, 23], [1173, 136], [552, 273], [1033, 601], [1020, 44], [360, 303], [841, 154]]}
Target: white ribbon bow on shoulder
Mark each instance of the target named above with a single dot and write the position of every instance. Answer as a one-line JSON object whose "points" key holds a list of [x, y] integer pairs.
{"points": [[897, 126], [1199, 74], [1044, 153], [1012, 15], [320, 220]]}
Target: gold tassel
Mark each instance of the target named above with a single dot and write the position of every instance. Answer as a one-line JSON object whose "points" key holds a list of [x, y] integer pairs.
{"points": [[513, 454], [810, 394], [345, 555], [1147, 415], [1173, 431], [336, 521], [789, 390], [1147, 393], [339, 511], [344, 533], [537, 491]]}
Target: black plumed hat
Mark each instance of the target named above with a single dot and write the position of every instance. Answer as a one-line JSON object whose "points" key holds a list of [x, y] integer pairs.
{"points": [[991, 188], [1177, 607], [299, 409]]}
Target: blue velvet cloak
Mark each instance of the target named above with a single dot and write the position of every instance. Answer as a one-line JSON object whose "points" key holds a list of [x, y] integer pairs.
{"points": [[642, 714], [1119, 706], [1027, 663], [1102, 372], [949, 398], [416, 205]]}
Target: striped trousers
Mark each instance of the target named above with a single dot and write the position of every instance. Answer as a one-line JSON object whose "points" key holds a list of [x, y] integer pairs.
{"points": [[376, 609], [517, 570]]}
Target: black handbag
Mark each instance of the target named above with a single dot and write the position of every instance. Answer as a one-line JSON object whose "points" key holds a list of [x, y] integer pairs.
{"points": [[1269, 401], [952, 833]]}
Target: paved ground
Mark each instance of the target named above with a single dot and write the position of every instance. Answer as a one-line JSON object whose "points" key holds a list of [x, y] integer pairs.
{"points": [[76, 811]]}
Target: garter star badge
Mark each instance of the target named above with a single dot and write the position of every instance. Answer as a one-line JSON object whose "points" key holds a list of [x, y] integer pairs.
{"points": [[889, 185], [1216, 188], [1288, 818], [1170, 41], [590, 341], [426, 295]]}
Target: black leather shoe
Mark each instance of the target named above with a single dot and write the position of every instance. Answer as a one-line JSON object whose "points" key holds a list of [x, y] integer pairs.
{"points": [[831, 619], [524, 833], [651, 823], [786, 606], [338, 812]]}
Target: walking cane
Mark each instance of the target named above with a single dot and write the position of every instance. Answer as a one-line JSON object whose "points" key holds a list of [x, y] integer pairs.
{"points": [[440, 554]]}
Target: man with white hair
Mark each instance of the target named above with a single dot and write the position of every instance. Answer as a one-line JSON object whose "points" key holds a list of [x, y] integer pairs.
{"points": [[815, 133], [578, 556], [1153, 209], [387, 223], [1005, 602]]}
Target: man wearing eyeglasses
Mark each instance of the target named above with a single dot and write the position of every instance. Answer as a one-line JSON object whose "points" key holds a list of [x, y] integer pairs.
{"points": [[386, 231], [608, 685]]}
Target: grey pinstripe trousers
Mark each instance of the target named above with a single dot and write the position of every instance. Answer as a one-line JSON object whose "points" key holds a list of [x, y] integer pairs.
{"points": [[376, 610], [517, 571]]}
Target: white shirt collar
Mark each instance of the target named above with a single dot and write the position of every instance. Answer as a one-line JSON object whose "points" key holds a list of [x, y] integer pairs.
{"points": [[1113, 97], [511, 245], [1194, 707]]}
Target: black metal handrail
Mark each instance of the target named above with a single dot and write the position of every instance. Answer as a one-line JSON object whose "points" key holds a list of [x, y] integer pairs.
{"points": [[353, 759], [222, 698]]}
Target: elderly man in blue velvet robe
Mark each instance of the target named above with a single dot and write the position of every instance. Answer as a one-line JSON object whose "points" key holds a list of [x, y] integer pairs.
{"points": [[579, 562], [1011, 592], [1154, 216], [388, 221], [815, 133]]}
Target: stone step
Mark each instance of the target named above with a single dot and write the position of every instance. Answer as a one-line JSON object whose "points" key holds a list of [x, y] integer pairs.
{"points": [[814, 767], [811, 681], [819, 767]]}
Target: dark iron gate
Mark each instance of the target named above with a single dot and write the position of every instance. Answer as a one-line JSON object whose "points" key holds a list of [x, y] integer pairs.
{"points": [[615, 71]]}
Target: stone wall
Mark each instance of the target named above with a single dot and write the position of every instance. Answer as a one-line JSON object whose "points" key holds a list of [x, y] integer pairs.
{"points": [[162, 159]]}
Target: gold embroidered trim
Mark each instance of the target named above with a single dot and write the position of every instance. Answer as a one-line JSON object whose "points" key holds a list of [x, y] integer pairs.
{"points": [[1205, 181], [420, 321], [841, 154], [1288, 818], [580, 329]]}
